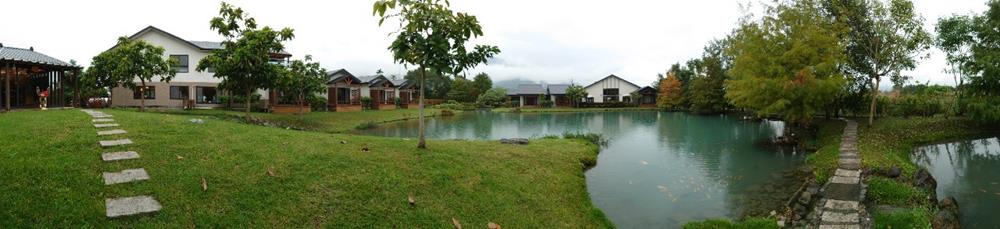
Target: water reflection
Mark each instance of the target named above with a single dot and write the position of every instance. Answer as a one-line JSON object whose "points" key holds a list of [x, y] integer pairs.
{"points": [[660, 169], [967, 170]]}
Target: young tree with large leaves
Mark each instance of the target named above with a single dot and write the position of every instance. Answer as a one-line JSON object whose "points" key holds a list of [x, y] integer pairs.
{"points": [[884, 38], [244, 63], [787, 63], [129, 61], [576, 93], [433, 38], [302, 79]]}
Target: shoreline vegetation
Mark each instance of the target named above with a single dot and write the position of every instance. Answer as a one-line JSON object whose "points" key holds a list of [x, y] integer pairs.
{"points": [[319, 179]]}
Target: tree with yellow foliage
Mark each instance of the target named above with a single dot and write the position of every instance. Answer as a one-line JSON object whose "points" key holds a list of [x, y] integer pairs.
{"points": [[671, 94]]}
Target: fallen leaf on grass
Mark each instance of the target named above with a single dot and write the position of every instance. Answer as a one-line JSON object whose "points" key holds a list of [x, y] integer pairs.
{"points": [[493, 225], [179, 157], [270, 171], [204, 184], [365, 149], [343, 142], [410, 198], [982, 190], [455, 222]]}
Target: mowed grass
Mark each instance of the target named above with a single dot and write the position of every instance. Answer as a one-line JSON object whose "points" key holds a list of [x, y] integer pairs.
{"points": [[329, 122], [827, 140], [891, 141], [51, 170]]}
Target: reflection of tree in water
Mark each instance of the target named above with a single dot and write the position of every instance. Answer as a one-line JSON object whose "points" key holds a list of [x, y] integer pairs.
{"points": [[727, 152], [967, 171]]}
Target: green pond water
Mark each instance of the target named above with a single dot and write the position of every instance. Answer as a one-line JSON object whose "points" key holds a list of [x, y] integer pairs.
{"points": [[659, 169], [968, 171]]}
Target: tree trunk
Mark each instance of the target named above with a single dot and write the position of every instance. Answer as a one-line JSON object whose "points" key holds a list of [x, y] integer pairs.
{"points": [[422, 144], [301, 105], [142, 97], [871, 111], [246, 110]]}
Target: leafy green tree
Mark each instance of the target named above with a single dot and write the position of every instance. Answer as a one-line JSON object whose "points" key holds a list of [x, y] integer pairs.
{"points": [[706, 93], [433, 37], [787, 63], [884, 39], [128, 61], [244, 64], [461, 90], [493, 97], [481, 83], [301, 79], [973, 46], [576, 93], [671, 94]]}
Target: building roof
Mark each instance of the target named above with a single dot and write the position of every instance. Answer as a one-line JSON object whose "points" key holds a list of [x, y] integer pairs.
{"points": [[341, 74], [558, 89], [530, 89], [202, 45], [647, 89], [31, 57], [610, 76], [399, 82]]}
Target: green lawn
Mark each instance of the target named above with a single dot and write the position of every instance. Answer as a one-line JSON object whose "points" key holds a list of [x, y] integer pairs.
{"points": [[569, 109], [51, 170], [329, 122]]}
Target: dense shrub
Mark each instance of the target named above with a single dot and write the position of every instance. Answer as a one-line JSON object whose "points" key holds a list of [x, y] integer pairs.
{"points": [[366, 103], [546, 103], [494, 97], [984, 110], [317, 103], [455, 105], [399, 102]]}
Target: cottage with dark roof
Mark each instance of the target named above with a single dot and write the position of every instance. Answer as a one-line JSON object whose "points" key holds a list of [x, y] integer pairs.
{"points": [[557, 93], [189, 87], [527, 95], [27, 74]]}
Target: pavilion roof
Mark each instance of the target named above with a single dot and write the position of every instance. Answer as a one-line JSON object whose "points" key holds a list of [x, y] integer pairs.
{"points": [[29, 56]]}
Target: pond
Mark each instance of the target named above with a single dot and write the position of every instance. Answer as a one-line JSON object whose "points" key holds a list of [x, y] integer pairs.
{"points": [[967, 170], [659, 169]]}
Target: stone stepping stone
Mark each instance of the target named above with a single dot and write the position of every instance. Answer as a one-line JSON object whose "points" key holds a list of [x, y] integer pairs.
{"points": [[125, 176], [110, 143], [848, 173], [104, 120], [845, 226], [128, 206], [837, 191], [837, 217], [844, 180], [118, 156], [104, 125], [110, 132], [842, 205], [101, 116]]}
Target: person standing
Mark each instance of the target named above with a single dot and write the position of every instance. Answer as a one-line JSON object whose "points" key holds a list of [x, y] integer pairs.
{"points": [[43, 97]]}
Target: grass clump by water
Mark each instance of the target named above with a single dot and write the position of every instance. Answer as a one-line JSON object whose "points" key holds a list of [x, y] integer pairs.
{"points": [[916, 218], [272, 177], [892, 192], [749, 223], [594, 138], [366, 126], [827, 140]]}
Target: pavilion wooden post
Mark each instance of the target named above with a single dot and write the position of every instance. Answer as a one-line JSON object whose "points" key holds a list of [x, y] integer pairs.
{"points": [[7, 87], [76, 83]]}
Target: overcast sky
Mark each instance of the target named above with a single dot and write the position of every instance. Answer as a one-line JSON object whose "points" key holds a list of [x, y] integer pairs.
{"points": [[551, 41]]}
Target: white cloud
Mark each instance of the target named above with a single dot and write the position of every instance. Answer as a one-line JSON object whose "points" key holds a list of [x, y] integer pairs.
{"points": [[552, 41]]}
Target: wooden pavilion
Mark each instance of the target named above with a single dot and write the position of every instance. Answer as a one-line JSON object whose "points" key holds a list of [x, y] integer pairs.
{"points": [[27, 73]]}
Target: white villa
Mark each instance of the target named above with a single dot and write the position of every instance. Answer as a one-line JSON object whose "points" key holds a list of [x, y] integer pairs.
{"points": [[610, 89], [201, 88]]}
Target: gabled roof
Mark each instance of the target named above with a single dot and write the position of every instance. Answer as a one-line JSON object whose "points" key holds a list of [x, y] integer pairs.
{"points": [[341, 74], [31, 57], [647, 89], [375, 79], [558, 89], [610, 76], [530, 89], [201, 45]]}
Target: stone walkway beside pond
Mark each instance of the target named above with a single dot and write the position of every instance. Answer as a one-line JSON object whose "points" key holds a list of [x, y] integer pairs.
{"points": [[841, 206], [121, 206]]}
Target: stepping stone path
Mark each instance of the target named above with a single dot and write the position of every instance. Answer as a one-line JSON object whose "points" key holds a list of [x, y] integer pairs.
{"points": [[119, 142], [841, 205], [111, 132], [131, 206], [118, 156], [121, 206], [103, 125], [125, 176]]}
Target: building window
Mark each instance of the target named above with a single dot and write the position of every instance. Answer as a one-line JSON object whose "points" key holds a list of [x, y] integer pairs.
{"points": [[179, 92], [181, 65], [148, 91], [590, 99], [206, 95], [343, 96], [610, 98], [611, 91]]}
